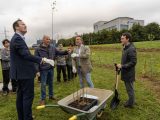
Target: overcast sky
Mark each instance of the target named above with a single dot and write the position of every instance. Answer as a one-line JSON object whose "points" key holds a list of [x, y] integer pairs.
{"points": [[71, 16]]}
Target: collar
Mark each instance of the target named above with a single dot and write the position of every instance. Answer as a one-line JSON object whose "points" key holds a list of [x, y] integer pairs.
{"points": [[20, 34], [80, 46], [42, 46], [127, 46], [6, 48]]}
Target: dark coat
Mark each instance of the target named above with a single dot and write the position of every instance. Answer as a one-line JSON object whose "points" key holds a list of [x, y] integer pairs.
{"points": [[129, 60], [49, 52], [22, 62]]}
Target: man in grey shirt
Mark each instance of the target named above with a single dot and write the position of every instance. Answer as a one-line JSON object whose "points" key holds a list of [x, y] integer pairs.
{"points": [[5, 60]]}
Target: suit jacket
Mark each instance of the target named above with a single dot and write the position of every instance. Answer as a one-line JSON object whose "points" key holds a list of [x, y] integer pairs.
{"points": [[83, 60], [22, 61], [129, 60]]}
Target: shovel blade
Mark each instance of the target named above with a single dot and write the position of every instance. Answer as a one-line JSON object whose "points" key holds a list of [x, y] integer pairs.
{"points": [[115, 101]]}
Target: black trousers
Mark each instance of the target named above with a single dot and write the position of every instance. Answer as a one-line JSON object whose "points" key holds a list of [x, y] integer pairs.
{"points": [[69, 72], [6, 79], [14, 85], [25, 95], [63, 69], [130, 91]]}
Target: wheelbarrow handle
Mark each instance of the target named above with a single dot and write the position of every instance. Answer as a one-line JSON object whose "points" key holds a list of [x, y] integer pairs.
{"points": [[75, 117], [40, 107], [44, 106]]}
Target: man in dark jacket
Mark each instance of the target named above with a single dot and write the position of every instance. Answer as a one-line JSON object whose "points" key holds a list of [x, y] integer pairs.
{"points": [[127, 66], [23, 70], [45, 71]]}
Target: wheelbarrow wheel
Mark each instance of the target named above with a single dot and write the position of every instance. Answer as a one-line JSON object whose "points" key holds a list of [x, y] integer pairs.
{"points": [[99, 114]]}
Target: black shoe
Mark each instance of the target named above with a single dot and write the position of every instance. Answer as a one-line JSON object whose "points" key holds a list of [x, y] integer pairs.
{"points": [[128, 106], [65, 80], [14, 90], [58, 81]]}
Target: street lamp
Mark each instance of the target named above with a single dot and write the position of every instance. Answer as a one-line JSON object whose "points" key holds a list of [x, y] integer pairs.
{"points": [[53, 7], [5, 33]]}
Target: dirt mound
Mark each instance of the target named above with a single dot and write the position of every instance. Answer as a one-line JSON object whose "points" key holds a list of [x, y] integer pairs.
{"points": [[153, 83], [101, 48], [106, 66], [148, 49]]}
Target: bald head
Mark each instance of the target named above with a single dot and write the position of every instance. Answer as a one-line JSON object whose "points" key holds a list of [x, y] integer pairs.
{"points": [[46, 40]]}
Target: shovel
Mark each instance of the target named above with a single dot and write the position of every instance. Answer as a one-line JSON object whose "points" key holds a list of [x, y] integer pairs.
{"points": [[115, 100]]}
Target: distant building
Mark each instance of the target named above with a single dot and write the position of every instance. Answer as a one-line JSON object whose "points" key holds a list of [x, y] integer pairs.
{"points": [[53, 42], [119, 24]]}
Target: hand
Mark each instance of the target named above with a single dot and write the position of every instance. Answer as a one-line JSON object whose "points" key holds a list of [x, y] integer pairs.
{"points": [[49, 61], [74, 70], [73, 55], [119, 66], [38, 74], [69, 51]]}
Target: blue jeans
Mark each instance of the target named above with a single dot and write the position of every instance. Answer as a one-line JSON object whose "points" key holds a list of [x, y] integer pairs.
{"points": [[86, 76], [46, 77]]}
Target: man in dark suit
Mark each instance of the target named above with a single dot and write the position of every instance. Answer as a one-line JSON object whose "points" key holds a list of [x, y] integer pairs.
{"points": [[23, 70], [127, 66]]}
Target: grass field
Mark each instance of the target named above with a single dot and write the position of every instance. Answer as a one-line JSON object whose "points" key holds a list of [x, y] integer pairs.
{"points": [[147, 86]]}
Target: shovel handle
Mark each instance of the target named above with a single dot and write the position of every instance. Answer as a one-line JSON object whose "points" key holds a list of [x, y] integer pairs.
{"points": [[117, 81], [117, 74], [117, 69]]}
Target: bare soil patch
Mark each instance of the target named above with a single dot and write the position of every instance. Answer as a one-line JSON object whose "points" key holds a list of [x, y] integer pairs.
{"points": [[153, 83], [100, 48]]}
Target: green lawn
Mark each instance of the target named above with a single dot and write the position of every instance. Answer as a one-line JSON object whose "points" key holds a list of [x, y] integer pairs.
{"points": [[103, 57]]}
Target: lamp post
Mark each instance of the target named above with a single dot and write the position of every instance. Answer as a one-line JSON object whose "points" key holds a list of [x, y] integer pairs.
{"points": [[5, 33], [53, 7]]}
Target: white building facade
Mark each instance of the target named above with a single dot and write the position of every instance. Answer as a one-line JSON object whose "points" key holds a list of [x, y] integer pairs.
{"points": [[119, 24]]}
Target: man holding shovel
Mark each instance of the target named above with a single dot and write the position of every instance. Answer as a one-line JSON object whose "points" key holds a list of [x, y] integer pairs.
{"points": [[127, 66]]}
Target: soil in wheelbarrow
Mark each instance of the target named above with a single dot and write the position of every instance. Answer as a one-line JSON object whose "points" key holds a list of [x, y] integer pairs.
{"points": [[84, 103]]}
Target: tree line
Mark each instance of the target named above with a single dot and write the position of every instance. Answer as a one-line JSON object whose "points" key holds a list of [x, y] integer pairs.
{"points": [[139, 33]]}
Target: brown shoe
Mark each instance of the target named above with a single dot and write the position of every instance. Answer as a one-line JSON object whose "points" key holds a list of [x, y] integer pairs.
{"points": [[42, 102], [52, 98]]}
